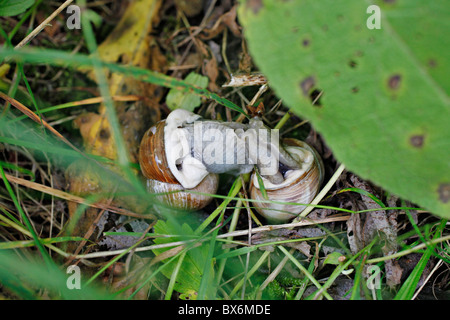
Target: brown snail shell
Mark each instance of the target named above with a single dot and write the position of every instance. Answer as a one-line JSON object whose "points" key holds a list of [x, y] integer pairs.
{"points": [[175, 195], [158, 162], [300, 186], [152, 155]]}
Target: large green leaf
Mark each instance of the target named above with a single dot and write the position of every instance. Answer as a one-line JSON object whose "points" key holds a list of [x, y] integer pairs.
{"points": [[193, 265], [384, 110], [177, 99], [14, 7]]}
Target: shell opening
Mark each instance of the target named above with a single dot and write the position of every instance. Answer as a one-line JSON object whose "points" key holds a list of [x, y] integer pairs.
{"points": [[303, 156]]}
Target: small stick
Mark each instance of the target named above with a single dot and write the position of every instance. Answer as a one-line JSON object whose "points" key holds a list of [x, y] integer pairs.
{"points": [[71, 197], [322, 193], [44, 23]]}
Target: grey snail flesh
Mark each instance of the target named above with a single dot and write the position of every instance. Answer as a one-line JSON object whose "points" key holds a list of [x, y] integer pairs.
{"points": [[228, 147], [196, 148]]}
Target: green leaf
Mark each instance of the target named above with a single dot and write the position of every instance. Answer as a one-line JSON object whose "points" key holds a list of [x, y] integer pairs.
{"points": [[406, 292], [333, 258], [180, 100], [408, 288], [191, 270], [14, 7], [384, 110], [365, 193]]}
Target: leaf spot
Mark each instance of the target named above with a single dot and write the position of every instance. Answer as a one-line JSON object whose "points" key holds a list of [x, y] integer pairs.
{"points": [[417, 141], [444, 192], [352, 64], [307, 85], [394, 81], [255, 5], [306, 42], [432, 63], [104, 134]]}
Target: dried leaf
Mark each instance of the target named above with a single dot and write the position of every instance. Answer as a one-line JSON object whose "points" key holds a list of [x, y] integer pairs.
{"points": [[130, 43], [363, 228], [228, 19]]}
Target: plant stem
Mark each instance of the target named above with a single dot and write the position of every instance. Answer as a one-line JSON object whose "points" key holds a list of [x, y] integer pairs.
{"points": [[44, 23], [408, 251], [322, 193]]}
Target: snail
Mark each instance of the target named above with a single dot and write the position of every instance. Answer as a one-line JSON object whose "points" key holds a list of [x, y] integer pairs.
{"points": [[186, 153], [299, 186], [169, 172]]}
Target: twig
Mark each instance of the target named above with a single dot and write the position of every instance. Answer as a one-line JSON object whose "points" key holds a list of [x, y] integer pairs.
{"points": [[438, 265], [322, 193], [221, 236], [44, 23], [71, 197], [408, 251], [22, 108]]}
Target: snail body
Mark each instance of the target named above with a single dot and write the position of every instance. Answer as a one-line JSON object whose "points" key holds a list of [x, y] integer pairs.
{"points": [[177, 158], [299, 187], [170, 170]]}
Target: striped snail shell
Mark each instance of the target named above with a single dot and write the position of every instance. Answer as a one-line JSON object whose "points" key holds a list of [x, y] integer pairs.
{"points": [[166, 162], [299, 186]]}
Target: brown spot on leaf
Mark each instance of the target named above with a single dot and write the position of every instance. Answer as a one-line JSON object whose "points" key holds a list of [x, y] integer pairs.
{"points": [[394, 81], [355, 90], [121, 29], [255, 5], [352, 64], [432, 63], [306, 42], [417, 141], [444, 192], [104, 134], [307, 85]]}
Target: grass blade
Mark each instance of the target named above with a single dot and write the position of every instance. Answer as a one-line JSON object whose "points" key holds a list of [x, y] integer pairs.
{"points": [[407, 290]]}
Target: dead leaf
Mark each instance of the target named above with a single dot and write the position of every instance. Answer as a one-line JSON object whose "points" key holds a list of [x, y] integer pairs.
{"points": [[96, 135], [363, 228], [282, 235], [228, 19], [212, 72], [130, 43], [190, 8]]}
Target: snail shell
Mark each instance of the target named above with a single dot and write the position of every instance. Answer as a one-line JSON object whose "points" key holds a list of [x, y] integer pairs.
{"points": [[300, 185], [166, 162], [175, 195]]}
